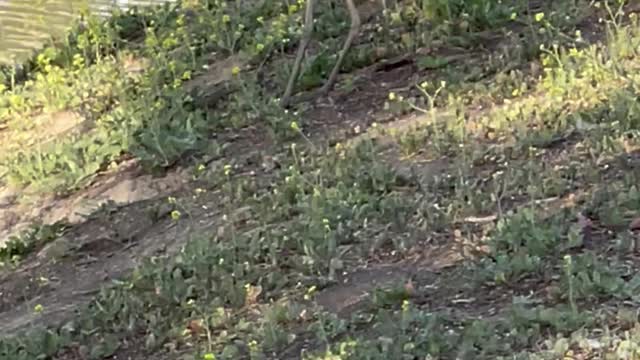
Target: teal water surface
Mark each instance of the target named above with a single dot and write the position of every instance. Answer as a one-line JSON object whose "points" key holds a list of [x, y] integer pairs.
{"points": [[26, 24]]}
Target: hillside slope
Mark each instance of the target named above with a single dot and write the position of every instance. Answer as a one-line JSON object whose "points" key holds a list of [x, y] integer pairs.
{"points": [[468, 191]]}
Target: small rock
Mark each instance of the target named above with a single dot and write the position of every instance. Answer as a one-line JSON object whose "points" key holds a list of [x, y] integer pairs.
{"points": [[82, 209], [129, 191], [56, 249]]}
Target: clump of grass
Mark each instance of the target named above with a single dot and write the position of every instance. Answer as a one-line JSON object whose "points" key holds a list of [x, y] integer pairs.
{"points": [[19, 246]]}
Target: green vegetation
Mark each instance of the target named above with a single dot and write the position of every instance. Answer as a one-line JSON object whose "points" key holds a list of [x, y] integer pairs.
{"points": [[123, 79], [36, 236], [539, 134]]}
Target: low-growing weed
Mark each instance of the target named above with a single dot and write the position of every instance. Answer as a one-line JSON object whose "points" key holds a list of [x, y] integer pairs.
{"points": [[19, 246]]}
